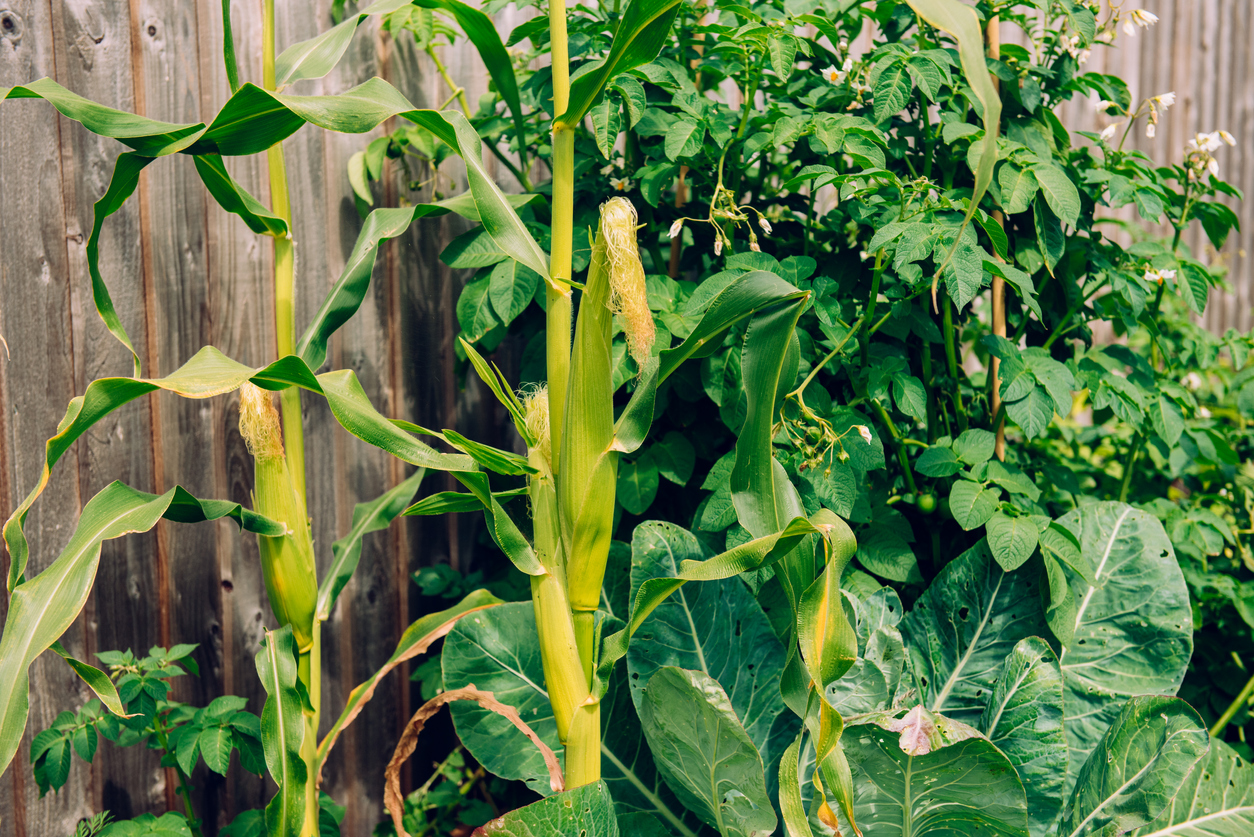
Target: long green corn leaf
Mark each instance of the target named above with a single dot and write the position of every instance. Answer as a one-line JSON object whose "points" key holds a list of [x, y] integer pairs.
{"points": [[283, 732], [417, 638], [481, 31], [251, 121], [796, 823], [368, 517], [455, 502], [642, 32], [762, 493], [505, 533], [211, 373], [234, 199], [42, 608], [95, 679], [961, 23], [318, 56]]}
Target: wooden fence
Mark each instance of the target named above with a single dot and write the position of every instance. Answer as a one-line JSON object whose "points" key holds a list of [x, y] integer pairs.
{"points": [[184, 274]]}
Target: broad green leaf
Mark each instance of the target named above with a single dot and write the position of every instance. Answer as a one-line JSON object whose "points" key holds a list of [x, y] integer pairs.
{"points": [[640, 36], [782, 47], [892, 90], [683, 139], [170, 824], [283, 730], [1012, 540], [42, 608], [511, 287], [607, 123], [637, 484], [498, 651], [215, 748], [938, 462], [910, 397], [474, 248], [1049, 235], [417, 638], [972, 504], [1133, 628], [704, 753], [975, 446], [1023, 718], [1033, 413], [886, 553], [961, 22], [716, 627], [1018, 187], [675, 457], [1060, 193], [960, 630], [1136, 768], [925, 774], [346, 552], [210, 373], [1167, 419], [1216, 800], [586, 811]]}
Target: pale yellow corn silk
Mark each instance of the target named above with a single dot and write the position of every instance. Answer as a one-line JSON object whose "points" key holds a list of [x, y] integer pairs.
{"points": [[536, 411], [259, 422], [627, 289]]}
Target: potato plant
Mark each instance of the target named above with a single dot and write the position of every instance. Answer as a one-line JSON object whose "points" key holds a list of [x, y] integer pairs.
{"points": [[909, 596]]}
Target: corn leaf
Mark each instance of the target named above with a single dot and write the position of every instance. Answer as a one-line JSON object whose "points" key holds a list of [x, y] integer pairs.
{"points": [[42, 608], [318, 56], [455, 502], [961, 23], [211, 373], [505, 533], [417, 638], [481, 30], [235, 199], [368, 517], [95, 679], [642, 32], [283, 731]]}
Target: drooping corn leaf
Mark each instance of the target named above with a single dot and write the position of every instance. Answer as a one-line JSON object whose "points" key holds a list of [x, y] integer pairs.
{"points": [[796, 823], [42, 608], [920, 773], [641, 34], [717, 628], [1136, 767], [282, 731], [95, 679], [586, 811], [235, 199], [417, 638], [501, 527], [368, 517], [481, 30], [1216, 800], [960, 630], [704, 753], [1133, 629], [1023, 718], [210, 373], [316, 57], [961, 23], [455, 502]]}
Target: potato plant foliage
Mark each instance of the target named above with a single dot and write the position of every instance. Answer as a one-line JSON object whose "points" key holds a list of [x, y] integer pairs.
{"points": [[871, 479]]}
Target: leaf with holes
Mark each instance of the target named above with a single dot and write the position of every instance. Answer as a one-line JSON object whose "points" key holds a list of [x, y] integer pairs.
{"points": [[964, 626], [1023, 718], [1133, 628]]}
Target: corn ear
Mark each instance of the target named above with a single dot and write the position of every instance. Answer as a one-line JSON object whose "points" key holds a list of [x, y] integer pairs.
{"points": [[287, 561]]}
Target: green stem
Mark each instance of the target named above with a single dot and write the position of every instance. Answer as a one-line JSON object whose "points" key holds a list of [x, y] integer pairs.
{"points": [[185, 788], [951, 358], [930, 383], [284, 272], [1059, 330], [1129, 466], [902, 459], [872, 300], [800, 390], [1240, 700]]}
